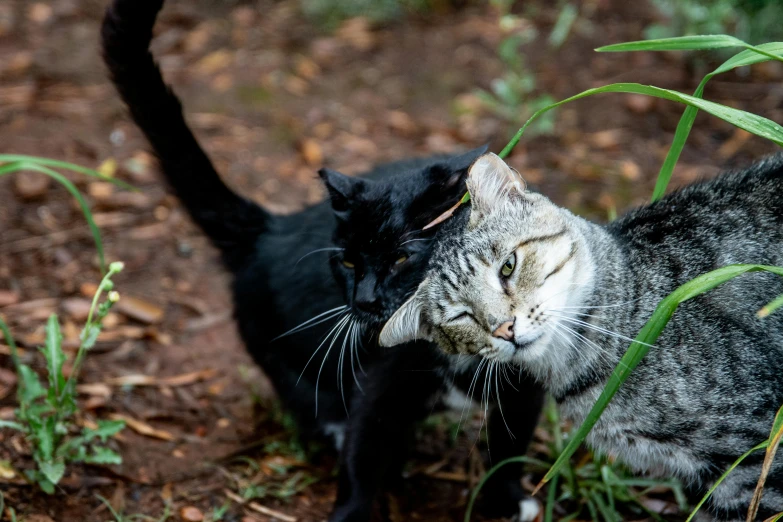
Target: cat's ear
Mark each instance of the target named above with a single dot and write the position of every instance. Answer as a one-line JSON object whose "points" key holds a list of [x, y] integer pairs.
{"points": [[491, 183], [406, 324], [342, 189], [452, 172]]}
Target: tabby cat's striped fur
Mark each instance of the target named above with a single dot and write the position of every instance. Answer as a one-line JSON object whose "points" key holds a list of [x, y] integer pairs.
{"points": [[519, 280]]}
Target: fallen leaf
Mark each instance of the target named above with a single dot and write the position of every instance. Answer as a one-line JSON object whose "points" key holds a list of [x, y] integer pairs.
{"points": [[108, 168], [142, 428], [76, 308], [191, 514], [140, 310], [8, 297], [311, 152], [149, 380], [6, 471]]}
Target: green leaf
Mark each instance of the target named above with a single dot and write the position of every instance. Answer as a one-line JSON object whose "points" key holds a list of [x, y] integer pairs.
{"points": [[568, 15], [105, 429], [102, 455], [12, 425], [54, 355], [641, 345], [685, 124], [752, 123], [45, 434], [53, 471], [46, 485], [70, 187], [30, 385], [7, 158], [11, 343], [90, 335], [678, 43]]}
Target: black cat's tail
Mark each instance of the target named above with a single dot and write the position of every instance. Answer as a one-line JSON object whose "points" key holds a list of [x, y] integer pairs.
{"points": [[230, 221]]}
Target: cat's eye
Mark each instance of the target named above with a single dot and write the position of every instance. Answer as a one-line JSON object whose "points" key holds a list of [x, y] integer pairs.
{"points": [[508, 266], [401, 260], [463, 315], [348, 264]]}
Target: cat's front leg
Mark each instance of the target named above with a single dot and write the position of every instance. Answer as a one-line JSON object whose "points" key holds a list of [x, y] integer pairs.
{"points": [[380, 430], [510, 430]]}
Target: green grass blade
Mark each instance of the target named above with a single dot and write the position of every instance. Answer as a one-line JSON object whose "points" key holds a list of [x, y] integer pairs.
{"points": [[685, 124], [775, 518], [70, 187], [9, 339], [723, 477], [477, 489], [771, 307], [774, 441], [551, 496], [691, 43], [8, 158], [752, 123], [678, 43], [641, 345]]}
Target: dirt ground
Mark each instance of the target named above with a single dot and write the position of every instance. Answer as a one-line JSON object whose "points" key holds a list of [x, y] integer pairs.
{"points": [[272, 97]]}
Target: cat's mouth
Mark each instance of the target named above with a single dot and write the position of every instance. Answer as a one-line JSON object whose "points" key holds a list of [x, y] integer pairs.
{"points": [[526, 342]]}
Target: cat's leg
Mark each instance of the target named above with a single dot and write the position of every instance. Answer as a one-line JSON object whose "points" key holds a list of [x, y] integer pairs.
{"points": [[379, 431], [510, 430], [729, 502]]}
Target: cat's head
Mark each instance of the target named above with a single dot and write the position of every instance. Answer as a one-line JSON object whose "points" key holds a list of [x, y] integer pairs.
{"points": [[379, 229], [500, 273]]}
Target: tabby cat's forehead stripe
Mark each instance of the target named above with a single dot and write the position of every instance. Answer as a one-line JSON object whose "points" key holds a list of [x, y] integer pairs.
{"points": [[548, 237]]}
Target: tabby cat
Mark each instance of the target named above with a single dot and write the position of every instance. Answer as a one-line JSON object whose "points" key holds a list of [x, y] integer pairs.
{"points": [[518, 280], [310, 288]]}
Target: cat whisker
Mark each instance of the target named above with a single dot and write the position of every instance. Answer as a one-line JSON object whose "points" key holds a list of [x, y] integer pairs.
{"points": [[316, 251], [338, 330], [615, 305], [596, 328], [500, 405], [341, 363], [416, 239], [471, 391], [309, 323], [326, 338], [353, 347]]}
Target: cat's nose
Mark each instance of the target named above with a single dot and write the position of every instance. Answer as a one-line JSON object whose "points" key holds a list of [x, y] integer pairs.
{"points": [[505, 331], [371, 306]]}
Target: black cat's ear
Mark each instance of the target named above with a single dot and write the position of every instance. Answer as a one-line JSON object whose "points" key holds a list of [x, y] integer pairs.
{"points": [[342, 189], [453, 171]]}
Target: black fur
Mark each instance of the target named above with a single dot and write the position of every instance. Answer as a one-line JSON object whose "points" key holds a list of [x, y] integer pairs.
{"points": [[282, 278]]}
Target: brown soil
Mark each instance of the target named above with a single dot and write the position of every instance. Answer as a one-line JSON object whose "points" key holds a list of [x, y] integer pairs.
{"points": [[270, 95]]}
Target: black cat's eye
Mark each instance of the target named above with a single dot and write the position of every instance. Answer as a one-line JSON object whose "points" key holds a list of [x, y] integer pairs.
{"points": [[401, 260], [348, 264], [508, 266]]}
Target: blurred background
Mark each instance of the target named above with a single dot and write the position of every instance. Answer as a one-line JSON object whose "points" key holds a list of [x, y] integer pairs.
{"points": [[274, 90]]}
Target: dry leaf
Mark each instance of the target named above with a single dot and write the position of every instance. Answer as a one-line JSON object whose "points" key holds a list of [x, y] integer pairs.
{"points": [[142, 428], [140, 310], [149, 380]]}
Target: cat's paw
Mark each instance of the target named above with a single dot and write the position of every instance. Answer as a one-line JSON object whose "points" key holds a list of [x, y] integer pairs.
{"points": [[529, 511]]}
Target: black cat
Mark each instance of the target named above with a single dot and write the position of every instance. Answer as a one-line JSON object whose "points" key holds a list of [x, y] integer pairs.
{"points": [[293, 276]]}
